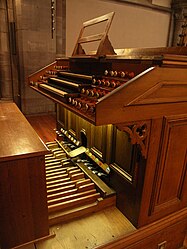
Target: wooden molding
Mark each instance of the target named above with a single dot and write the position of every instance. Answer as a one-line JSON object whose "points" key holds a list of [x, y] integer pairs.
{"points": [[139, 134]]}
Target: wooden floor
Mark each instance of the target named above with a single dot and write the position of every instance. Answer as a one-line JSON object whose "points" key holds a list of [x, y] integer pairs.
{"points": [[87, 232]]}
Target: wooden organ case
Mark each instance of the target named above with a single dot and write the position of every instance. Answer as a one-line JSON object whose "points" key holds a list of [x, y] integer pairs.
{"points": [[125, 113]]}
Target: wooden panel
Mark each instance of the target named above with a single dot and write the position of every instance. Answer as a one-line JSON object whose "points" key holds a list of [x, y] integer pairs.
{"points": [[98, 141], [72, 123], [23, 210], [35, 76], [118, 106], [170, 191], [127, 178], [122, 148], [164, 92], [61, 115]]}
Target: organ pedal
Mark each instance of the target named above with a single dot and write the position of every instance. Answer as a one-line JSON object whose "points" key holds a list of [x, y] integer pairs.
{"points": [[71, 191]]}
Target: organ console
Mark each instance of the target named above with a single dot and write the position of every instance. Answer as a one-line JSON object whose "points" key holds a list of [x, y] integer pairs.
{"points": [[121, 133]]}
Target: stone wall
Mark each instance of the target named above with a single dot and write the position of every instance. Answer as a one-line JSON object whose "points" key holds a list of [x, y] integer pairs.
{"points": [[29, 47], [37, 48], [5, 63]]}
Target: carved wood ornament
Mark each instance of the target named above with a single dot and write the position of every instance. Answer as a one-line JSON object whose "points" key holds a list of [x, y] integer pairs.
{"points": [[139, 134]]}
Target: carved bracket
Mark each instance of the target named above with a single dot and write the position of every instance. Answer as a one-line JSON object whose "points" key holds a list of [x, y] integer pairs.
{"points": [[139, 134]]}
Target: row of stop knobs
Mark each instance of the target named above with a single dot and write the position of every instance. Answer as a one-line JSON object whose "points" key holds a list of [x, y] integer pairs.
{"points": [[121, 74], [108, 83], [93, 92], [60, 67], [82, 104]]}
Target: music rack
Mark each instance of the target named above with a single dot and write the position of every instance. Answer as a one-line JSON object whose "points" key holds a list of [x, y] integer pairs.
{"points": [[104, 46]]}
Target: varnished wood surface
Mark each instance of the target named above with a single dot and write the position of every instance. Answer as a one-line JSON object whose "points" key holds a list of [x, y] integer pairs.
{"points": [[18, 139], [107, 226], [23, 200], [109, 229], [89, 232], [156, 92], [149, 53], [44, 125], [171, 230]]}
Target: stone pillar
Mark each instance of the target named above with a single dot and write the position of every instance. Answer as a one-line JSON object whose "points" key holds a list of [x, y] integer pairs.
{"points": [[5, 62], [27, 45], [37, 47], [179, 8]]}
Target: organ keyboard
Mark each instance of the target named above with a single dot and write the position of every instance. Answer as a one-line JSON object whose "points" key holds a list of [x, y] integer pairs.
{"points": [[121, 127], [53, 90]]}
